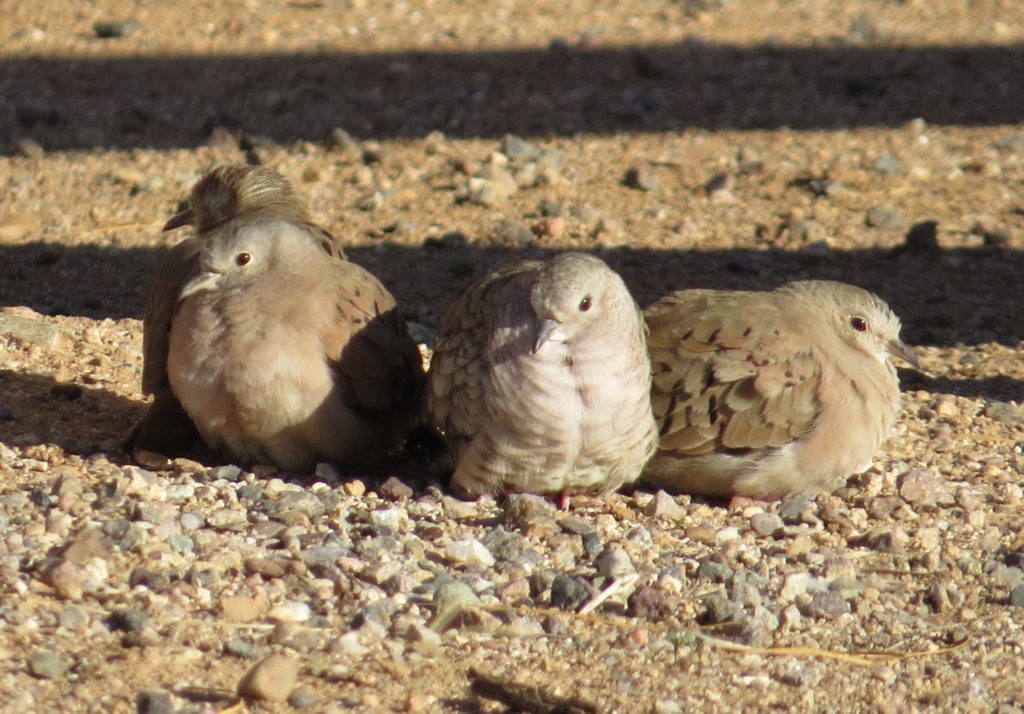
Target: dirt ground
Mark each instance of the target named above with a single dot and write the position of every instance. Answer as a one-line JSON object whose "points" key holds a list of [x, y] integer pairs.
{"points": [[690, 143]]}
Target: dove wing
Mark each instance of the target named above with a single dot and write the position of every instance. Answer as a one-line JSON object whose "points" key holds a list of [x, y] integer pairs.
{"points": [[460, 369], [180, 264], [731, 372], [376, 364]]}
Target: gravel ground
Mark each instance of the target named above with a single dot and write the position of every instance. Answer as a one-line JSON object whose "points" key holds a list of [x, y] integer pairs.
{"points": [[711, 143]]}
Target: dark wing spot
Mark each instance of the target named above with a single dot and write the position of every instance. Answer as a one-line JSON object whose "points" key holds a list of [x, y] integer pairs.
{"points": [[669, 416]]}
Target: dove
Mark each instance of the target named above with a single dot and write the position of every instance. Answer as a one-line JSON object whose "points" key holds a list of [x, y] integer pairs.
{"points": [[263, 339], [540, 381], [770, 394]]}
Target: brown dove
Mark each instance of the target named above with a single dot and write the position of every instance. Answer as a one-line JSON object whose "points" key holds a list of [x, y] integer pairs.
{"points": [[540, 381], [261, 336], [766, 394]]}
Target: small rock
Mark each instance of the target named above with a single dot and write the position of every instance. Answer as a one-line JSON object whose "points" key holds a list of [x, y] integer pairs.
{"points": [[642, 177], [614, 562], [424, 637], [74, 619], [653, 604], [228, 473], [884, 218], [243, 649], [125, 619], [523, 508], [156, 702], [807, 231], [922, 487], [509, 232], [568, 593], [888, 164], [715, 572], [459, 510], [719, 609], [112, 30], [395, 490], [1016, 598], [47, 665], [827, 605], [228, 519], [469, 552], [348, 645], [290, 611], [30, 148], [765, 524], [664, 506], [519, 151], [523, 627], [490, 192], [793, 509], [796, 584], [294, 506], [271, 679], [303, 699], [1005, 413], [454, 595]]}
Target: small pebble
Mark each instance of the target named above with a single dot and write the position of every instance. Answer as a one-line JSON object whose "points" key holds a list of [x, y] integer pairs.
{"points": [[271, 679], [568, 593], [290, 611], [47, 665], [469, 551], [642, 177]]}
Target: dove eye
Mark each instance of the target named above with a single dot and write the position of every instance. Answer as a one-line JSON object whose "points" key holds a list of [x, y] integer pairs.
{"points": [[585, 304], [859, 324], [242, 259]]}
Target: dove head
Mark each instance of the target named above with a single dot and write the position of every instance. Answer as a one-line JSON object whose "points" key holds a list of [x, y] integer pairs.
{"points": [[862, 319], [236, 257], [237, 190], [571, 294]]}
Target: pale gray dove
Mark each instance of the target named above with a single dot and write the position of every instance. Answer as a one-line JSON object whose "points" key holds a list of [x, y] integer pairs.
{"points": [[261, 334], [540, 381], [765, 394]]}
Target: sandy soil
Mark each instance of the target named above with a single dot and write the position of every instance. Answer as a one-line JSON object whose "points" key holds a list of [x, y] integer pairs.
{"points": [[775, 140]]}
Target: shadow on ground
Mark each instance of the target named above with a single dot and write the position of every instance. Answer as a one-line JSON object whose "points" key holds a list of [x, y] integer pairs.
{"points": [[173, 102], [944, 297], [80, 419]]}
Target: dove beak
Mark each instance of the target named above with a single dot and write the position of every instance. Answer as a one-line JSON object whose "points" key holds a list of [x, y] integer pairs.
{"points": [[207, 280], [550, 331], [179, 219], [897, 348]]}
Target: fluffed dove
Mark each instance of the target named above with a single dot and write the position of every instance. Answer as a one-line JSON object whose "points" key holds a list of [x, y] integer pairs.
{"points": [[262, 334], [766, 394], [540, 381]]}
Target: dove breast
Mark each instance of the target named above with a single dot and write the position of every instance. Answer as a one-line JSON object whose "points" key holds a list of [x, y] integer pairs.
{"points": [[540, 381]]}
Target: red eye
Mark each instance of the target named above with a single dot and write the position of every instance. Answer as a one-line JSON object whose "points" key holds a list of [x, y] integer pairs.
{"points": [[242, 259], [585, 304], [858, 323]]}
